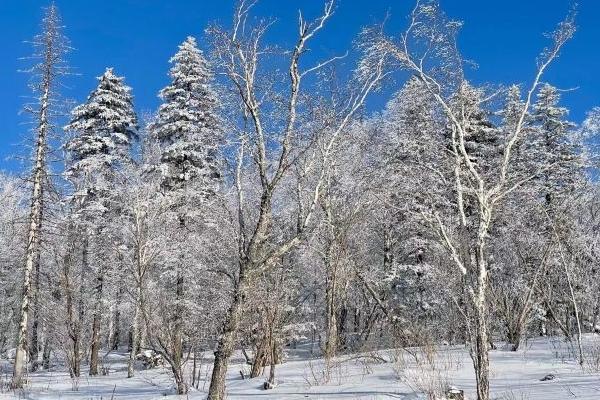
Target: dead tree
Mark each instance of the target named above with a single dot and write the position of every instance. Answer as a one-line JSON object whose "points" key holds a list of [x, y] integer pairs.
{"points": [[50, 48]]}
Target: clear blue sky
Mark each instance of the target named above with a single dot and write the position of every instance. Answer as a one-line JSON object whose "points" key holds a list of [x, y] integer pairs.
{"points": [[137, 37]]}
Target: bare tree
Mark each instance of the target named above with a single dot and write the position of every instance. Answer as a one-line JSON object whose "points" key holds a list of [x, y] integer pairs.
{"points": [[239, 53], [50, 47], [428, 49]]}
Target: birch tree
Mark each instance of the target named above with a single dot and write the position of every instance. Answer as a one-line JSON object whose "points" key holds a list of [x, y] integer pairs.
{"points": [[274, 147], [428, 50]]}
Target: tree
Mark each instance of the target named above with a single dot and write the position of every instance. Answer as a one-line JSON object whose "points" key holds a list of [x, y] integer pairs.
{"points": [[50, 48], [188, 132], [105, 127], [555, 144], [553, 141], [428, 49], [12, 230], [142, 234], [276, 144], [187, 125]]}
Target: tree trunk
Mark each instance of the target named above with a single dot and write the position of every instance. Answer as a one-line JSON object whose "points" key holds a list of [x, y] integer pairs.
{"points": [[76, 360], [513, 335], [330, 262], [180, 384], [342, 320], [97, 319], [195, 368], [481, 357], [135, 336], [34, 348], [273, 349], [178, 336], [388, 255], [33, 241], [260, 357], [177, 344], [227, 341], [77, 336], [331, 340], [116, 334], [46, 354]]}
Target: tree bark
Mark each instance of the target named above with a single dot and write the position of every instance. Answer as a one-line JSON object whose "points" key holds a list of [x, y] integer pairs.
{"points": [[33, 237], [331, 340], [482, 361], [513, 335], [46, 354], [481, 357], [135, 336], [116, 334], [78, 325], [260, 357], [177, 363], [228, 337], [34, 348], [273, 350], [97, 319]]}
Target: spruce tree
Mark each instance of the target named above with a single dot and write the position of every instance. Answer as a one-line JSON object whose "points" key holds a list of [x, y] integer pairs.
{"points": [[105, 127], [187, 126], [555, 147], [482, 140], [187, 130]]}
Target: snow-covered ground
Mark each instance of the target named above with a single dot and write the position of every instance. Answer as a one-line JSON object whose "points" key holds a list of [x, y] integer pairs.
{"points": [[389, 374]]}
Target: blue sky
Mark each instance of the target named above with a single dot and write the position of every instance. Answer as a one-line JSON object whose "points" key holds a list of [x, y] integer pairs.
{"points": [[137, 37]]}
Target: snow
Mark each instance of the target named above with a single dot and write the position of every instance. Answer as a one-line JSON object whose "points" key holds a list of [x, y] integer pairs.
{"points": [[514, 375]]}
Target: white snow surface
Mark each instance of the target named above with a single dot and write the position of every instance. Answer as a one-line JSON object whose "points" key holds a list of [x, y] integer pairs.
{"points": [[514, 376]]}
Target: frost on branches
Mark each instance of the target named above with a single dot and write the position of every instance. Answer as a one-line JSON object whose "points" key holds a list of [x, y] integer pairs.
{"points": [[268, 209]]}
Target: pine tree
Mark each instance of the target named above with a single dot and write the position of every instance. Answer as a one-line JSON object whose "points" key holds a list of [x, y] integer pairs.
{"points": [[105, 127], [187, 126]]}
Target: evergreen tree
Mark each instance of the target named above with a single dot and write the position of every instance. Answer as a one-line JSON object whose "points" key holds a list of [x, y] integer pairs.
{"points": [[554, 145], [512, 109], [105, 127], [187, 130], [482, 140], [523, 154], [187, 126]]}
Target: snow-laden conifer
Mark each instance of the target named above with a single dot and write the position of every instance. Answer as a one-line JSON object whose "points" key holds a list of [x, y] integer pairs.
{"points": [[104, 127], [187, 126]]}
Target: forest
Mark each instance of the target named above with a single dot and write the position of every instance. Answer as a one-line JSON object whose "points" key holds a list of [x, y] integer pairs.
{"points": [[268, 231]]}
